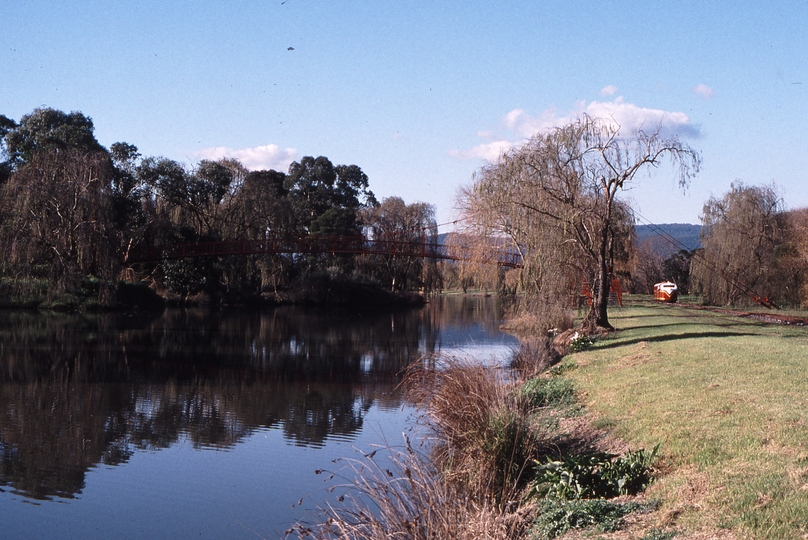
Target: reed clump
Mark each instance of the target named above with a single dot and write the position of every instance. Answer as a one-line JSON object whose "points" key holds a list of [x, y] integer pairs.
{"points": [[533, 357], [484, 434], [407, 497]]}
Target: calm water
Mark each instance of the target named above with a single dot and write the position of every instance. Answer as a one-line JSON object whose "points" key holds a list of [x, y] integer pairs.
{"points": [[204, 425]]}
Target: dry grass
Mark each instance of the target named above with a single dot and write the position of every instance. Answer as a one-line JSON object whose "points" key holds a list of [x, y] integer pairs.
{"points": [[410, 500], [484, 433], [532, 358]]}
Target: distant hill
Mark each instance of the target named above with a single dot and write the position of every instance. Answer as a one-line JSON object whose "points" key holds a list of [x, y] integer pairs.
{"points": [[686, 235]]}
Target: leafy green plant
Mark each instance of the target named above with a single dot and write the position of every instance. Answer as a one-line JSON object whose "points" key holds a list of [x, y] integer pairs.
{"points": [[597, 474], [631, 473], [580, 342], [572, 477], [562, 368], [557, 516], [549, 392]]}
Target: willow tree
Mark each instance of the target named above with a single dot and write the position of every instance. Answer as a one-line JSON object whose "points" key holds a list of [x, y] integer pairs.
{"points": [[57, 213], [743, 237], [556, 198], [395, 221]]}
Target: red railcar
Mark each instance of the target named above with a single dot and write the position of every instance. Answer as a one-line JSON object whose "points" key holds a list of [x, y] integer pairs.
{"points": [[666, 292]]}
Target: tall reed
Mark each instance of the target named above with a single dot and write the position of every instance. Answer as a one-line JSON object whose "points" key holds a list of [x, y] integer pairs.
{"points": [[409, 500], [484, 435]]}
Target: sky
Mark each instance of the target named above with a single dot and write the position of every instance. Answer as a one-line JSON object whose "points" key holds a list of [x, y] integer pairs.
{"points": [[420, 94]]}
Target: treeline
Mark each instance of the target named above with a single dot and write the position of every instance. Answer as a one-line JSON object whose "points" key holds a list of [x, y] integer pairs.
{"points": [[72, 210], [751, 250]]}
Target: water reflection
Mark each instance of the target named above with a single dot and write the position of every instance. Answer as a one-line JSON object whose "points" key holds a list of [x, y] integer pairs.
{"points": [[81, 390]]}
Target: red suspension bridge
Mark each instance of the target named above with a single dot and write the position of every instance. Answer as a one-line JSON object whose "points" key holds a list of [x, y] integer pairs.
{"points": [[336, 245]]}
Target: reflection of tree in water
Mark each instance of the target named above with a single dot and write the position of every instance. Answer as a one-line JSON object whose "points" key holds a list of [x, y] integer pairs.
{"points": [[77, 390]]}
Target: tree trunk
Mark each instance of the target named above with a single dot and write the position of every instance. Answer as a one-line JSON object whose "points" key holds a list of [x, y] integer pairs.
{"points": [[598, 316]]}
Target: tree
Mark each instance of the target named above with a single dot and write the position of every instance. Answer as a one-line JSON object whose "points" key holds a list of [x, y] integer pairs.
{"points": [[792, 257], [326, 198], [740, 233], [59, 216], [6, 166], [259, 211], [49, 129], [130, 196], [556, 198], [648, 266], [394, 221]]}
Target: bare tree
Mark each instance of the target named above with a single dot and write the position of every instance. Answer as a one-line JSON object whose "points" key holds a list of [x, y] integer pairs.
{"points": [[792, 258], [648, 266], [556, 197]]}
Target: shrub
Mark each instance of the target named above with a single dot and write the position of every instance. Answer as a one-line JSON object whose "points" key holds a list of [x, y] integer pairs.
{"points": [[549, 392], [557, 516], [593, 475]]}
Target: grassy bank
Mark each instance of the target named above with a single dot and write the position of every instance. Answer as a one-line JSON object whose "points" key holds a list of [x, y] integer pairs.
{"points": [[726, 397]]}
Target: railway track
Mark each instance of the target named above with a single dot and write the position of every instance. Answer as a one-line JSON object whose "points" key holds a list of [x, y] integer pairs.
{"points": [[768, 317]]}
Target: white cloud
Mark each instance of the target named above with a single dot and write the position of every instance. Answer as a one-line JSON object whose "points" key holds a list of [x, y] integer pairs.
{"points": [[704, 91], [487, 151], [269, 156], [627, 117], [524, 125], [608, 90]]}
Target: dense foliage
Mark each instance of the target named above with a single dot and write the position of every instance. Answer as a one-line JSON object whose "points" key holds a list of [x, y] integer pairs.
{"points": [[72, 209]]}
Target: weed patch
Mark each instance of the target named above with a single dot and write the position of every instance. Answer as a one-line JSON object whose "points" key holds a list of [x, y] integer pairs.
{"points": [[557, 516], [594, 475], [657, 534], [549, 392]]}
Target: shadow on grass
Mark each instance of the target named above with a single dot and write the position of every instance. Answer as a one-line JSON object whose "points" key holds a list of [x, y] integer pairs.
{"points": [[670, 337]]}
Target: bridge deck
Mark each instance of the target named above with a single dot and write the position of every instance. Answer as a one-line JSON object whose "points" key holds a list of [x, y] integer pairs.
{"points": [[309, 244]]}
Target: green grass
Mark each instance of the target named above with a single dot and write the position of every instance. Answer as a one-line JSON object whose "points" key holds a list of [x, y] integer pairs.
{"points": [[726, 397]]}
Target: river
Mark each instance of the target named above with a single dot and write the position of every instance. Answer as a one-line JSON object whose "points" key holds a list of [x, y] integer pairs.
{"points": [[205, 424]]}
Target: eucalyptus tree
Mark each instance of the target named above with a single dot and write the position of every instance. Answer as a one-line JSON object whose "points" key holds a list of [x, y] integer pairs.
{"points": [[556, 199], [6, 165], [326, 198], [132, 203], [48, 129]]}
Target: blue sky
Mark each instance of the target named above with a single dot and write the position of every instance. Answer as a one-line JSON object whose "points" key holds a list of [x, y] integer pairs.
{"points": [[419, 93]]}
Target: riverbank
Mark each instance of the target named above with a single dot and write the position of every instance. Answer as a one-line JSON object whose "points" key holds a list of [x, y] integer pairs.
{"points": [[506, 453], [725, 397], [91, 294]]}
